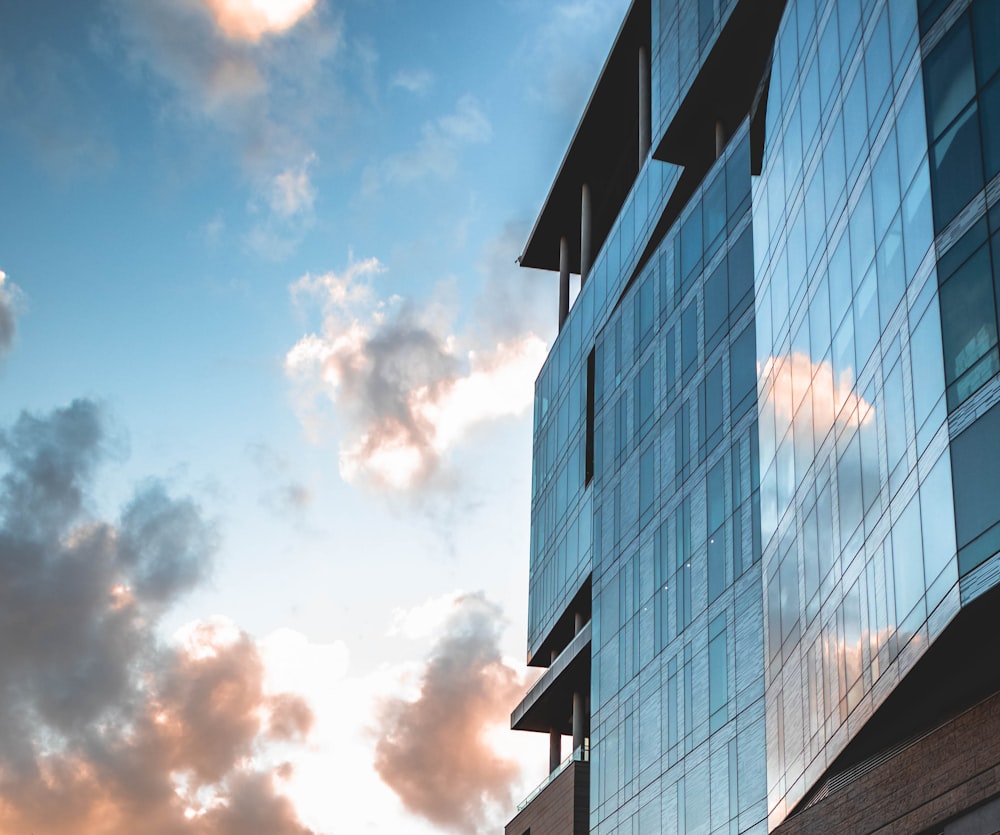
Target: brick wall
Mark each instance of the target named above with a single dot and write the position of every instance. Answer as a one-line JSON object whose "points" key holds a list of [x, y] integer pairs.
{"points": [[920, 789], [562, 808]]}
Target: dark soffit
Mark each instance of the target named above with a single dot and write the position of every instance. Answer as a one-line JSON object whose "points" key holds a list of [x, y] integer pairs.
{"points": [[604, 153]]}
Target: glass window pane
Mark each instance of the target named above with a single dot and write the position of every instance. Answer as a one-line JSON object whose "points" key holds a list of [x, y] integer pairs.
{"points": [[986, 31], [949, 80], [989, 114], [936, 503], [925, 364], [878, 68], [968, 323], [691, 247], [743, 371], [885, 187], [716, 306], [910, 125], [714, 213], [907, 559], [689, 338], [956, 167]]}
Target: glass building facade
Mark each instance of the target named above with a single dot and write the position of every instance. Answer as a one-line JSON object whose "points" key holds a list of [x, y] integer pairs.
{"points": [[766, 472]]}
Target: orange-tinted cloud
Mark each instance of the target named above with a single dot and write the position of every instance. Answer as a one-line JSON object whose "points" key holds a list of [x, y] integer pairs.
{"points": [[434, 752], [249, 20], [105, 729]]}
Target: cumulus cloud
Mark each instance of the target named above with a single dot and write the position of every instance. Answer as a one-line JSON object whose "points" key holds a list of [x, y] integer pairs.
{"points": [[249, 20], [8, 325], [434, 751], [104, 728], [399, 380], [437, 153]]}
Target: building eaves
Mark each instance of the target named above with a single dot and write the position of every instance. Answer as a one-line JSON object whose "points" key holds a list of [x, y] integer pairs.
{"points": [[603, 153]]}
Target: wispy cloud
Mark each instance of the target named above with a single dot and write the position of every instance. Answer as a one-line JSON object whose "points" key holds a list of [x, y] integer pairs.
{"points": [[284, 493], [466, 691], [405, 387], [288, 211], [8, 322], [104, 728], [438, 151], [259, 77], [417, 81]]}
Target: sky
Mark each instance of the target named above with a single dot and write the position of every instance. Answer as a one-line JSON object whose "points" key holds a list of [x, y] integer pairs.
{"points": [[266, 372]]}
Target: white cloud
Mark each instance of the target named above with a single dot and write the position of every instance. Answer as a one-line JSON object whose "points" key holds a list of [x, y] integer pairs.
{"points": [[405, 388], [417, 81], [289, 212], [292, 192]]}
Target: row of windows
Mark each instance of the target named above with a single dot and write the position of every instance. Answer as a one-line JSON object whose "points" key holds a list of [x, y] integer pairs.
{"points": [[962, 87]]}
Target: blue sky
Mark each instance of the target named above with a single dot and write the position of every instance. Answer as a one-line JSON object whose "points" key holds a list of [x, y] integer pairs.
{"points": [[267, 247]]}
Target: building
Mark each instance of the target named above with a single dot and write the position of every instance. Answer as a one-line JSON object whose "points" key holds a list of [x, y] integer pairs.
{"points": [[765, 522]]}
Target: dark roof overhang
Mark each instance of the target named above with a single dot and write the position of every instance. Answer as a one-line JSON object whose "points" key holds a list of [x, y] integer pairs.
{"points": [[604, 153], [548, 706], [726, 84]]}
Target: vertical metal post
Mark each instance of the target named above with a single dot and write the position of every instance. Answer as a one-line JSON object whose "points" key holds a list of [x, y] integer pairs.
{"points": [[585, 233], [555, 750], [563, 280], [579, 720], [645, 127]]}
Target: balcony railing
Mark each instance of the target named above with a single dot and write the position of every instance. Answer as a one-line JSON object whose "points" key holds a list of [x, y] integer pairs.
{"points": [[581, 754]]}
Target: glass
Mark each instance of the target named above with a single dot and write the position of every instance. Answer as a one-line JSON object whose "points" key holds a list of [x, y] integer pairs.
{"points": [[743, 372], [849, 488], [986, 31], [644, 399], [829, 62], [891, 271], [936, 503], [911, 128], [949, 81], [989, 115], [689, 339], [907, 559], [714, 213], [878, 69], [968, 318], [716, 306], [956, 167], [740, 273], [885, 186]]}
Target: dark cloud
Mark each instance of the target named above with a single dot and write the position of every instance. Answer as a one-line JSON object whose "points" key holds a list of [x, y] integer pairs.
{"points": [[103, 728], [8, 325], [434, 752]]}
